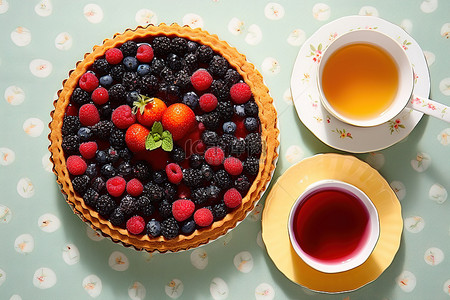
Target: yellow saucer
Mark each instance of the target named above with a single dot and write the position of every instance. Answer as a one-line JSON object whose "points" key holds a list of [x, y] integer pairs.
{"points": [[292, 183]]}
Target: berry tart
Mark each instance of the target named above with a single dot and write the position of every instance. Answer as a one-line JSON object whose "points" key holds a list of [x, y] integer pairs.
{"points": [[163, 138]]}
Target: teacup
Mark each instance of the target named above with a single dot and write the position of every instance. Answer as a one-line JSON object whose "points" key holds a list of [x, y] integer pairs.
{"points": [[333, 226], [366, 79]]}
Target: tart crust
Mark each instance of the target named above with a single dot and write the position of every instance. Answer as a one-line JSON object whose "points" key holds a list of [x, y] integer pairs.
{"points": [[269, 137]]}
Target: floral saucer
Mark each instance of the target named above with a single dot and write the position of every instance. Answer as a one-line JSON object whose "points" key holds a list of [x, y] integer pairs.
{"points": [[327, 128]]}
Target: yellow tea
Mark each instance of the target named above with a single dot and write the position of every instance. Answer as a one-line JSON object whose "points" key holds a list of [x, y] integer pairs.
{"points": [[360, 81]]}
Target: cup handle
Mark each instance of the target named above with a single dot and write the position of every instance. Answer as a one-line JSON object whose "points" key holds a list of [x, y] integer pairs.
{"points": [[430, 107]]}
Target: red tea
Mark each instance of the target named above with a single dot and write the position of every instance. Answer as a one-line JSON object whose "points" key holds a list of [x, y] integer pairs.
{"points": [[332, 225]]}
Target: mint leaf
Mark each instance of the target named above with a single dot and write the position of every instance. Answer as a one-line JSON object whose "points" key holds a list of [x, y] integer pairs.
{"points": [[157, 128], [150, 143], [167, 141]]}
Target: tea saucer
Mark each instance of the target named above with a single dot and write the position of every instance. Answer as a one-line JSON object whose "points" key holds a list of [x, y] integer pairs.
{"points": [[327, 128], [292, 183]]}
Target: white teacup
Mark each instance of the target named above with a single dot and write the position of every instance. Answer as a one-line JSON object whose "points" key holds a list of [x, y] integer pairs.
{"points": [[404, 89], [333, 226]]}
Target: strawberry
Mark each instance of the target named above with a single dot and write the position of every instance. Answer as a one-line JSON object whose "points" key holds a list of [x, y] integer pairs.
{"points": [[135, 137], [179, 119], [149, 110]]}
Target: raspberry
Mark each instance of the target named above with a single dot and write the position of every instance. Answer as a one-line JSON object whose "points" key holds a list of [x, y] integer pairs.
{"points": [[232, 198], [144, 53], [116, 186], [240, 93], [88, 149], [88, 82], [214, 156], [134, 187], [174, 173], [123, 117], [182, 209], [233, 166], [208, 102], [76, 165], [89, 115], [100, 96], [113, 56], [135, 225], [201, 80], [203, 217]]}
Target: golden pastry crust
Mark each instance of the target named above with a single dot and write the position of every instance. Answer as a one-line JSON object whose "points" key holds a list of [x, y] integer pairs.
{"points": [[269, 136]]}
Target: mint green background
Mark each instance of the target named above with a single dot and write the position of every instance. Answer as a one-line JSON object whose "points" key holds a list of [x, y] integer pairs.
{"points": [[154, 274]]}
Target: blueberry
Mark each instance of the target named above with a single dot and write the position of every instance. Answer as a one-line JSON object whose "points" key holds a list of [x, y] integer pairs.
{"points": [[125, 169], [229, 127], [191, 99], [131, 97], [84, 133], [251, 124], [98, 184], [174, 62], [106, 81], [108, 171], [188, 227], [143, 69], [239, 110], [153, 228], [192, 46], [131, 63], [101, 157], [91, 170]]}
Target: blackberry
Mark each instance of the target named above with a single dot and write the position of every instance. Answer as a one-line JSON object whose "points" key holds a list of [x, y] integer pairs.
{"points": [[158, 64], [165, 209], [191, 46], [205, 54], [98, 184], [101, 67], [80, 96], [237, 147], [251, 165], [192, 177], [251, 109], [207, 172], [219, 211], [92, 171], [129, 48], [182, 79], [211, 120], [101, 157], [103, 129], [161, 45], [113, 155], [199, 196], [169, 191], [218, 66], [196, 160], [225, 142], [85, 134], [117, 72], [174, 62], [191, 100], [170, 228], [153, 191], [188, 227], [147, 210], [108, 171], [210, 138], [130, 63], [231, 77], [225, 109], [90, 197], [128, 205], [253, 143], [80, 184], [141, 171], [167, 75], [117, 217], [178, 155], [251, 124], [213, 191], [153, 228], [105, 111], [125, 154], [70, 144], [117, 93], [159, 177], [130, 81], [242, 184], [179, 45], [125, 170], [71, 125], [149, 84], [105, 206], [190, 62], [220, 89], [143, 201], [117, 138], [222, 179]]}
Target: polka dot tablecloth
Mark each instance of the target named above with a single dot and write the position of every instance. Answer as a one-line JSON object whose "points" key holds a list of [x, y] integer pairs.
{"points": [[46, 252]]}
